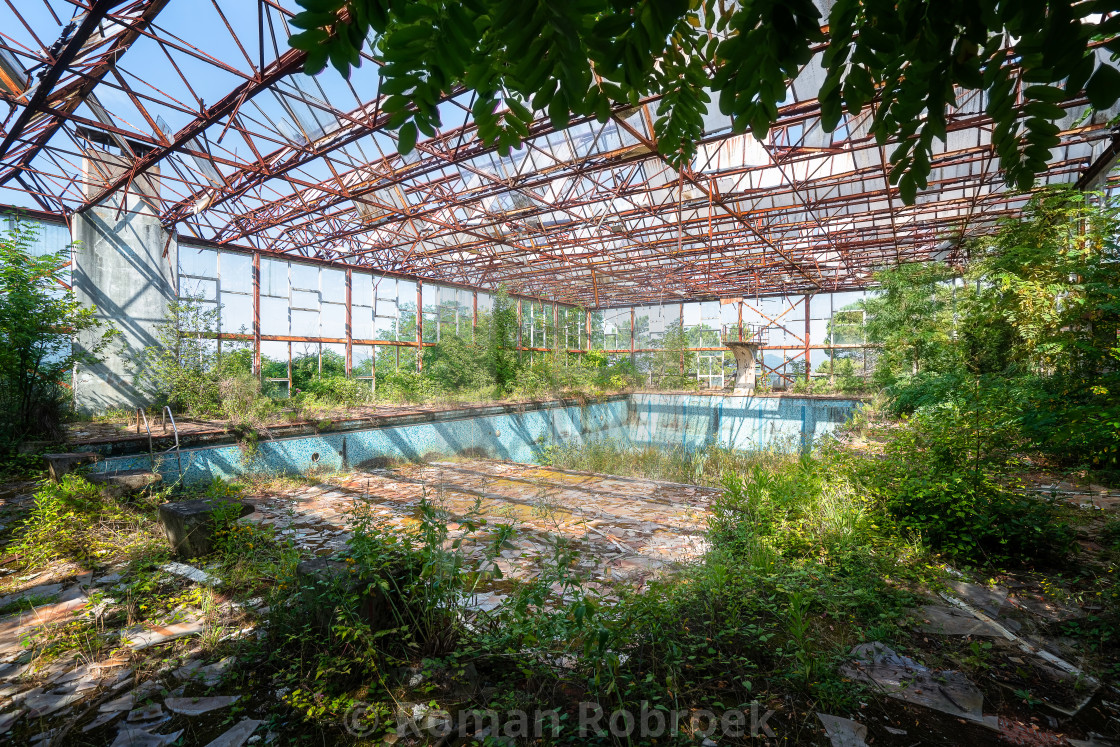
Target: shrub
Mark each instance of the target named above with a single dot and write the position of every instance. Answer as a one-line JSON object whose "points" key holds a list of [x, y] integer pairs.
{"points": [[456, 363], [405, 385], [74, 519], [39, 318], [337, 391], [941, 477]]}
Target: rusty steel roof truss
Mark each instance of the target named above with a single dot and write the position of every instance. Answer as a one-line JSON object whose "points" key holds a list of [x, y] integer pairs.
{"points": [[205, 100]]}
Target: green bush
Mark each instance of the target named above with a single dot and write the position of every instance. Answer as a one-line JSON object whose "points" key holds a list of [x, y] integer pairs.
{"points": [[1033, 317], [942, 477], [336, 391], [405, 385], [456, 363], [39, 321], [75, 520]]}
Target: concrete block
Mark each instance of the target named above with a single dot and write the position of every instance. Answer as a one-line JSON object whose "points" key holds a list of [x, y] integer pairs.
{"points": [[126, 482], [322, 579], [189, 525], [60, 464]]}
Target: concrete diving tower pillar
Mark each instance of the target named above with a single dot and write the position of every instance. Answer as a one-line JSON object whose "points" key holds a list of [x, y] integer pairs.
{"points": [[746, 360], [745, 341]]}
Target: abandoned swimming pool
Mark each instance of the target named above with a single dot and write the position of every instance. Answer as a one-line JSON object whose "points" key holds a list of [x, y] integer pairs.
{"points": [[516, 433]]}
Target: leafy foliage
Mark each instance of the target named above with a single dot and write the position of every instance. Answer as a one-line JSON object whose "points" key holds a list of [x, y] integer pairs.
{"points": [[76, 520], [671, 365], [1029, 324], [39, 317], [943, 478], [189, 370], [915, 61]]}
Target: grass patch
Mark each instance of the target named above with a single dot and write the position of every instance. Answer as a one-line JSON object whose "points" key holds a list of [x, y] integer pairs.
{"points": [[706, 465]]}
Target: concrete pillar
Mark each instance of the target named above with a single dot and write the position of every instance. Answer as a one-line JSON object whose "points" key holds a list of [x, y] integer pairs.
{"points": [[127, 266], [745, 359]]}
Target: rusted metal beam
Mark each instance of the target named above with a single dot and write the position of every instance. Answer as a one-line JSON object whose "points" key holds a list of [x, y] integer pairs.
{"points": [[288, 63], [66, 99]]}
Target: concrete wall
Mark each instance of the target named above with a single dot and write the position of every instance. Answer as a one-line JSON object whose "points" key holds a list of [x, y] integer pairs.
{"points": [[125, 266]]}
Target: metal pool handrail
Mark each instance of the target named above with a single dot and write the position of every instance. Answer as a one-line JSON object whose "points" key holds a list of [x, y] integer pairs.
{"points": [[165, 415]]}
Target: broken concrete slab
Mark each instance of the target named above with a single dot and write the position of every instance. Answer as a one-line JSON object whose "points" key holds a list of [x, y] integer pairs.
{"points": [[101, 720], [44, 591], [189, 571], [988, 599], [903, 678], [123, 703], [156, 634], [44, 704], [133, 737], [199, 706], [1048, 609], [126, 482], [843, 732], [189, 525], [60, 464], [238, 735], [1094, 740], [953, 621], [8, 719], [208, 675], [15, 627], [145, 713]]}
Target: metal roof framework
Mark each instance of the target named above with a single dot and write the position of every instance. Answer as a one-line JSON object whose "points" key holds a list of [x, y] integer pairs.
{"points": [[251, 153]]}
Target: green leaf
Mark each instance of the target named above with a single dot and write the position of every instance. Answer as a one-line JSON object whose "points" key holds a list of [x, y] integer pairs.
{"points": [[307, 40], [406, 138], [907, 189], [1104, 87]]}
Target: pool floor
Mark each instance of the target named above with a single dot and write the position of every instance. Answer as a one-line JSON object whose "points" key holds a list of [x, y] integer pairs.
{"points": [[626, 530]]}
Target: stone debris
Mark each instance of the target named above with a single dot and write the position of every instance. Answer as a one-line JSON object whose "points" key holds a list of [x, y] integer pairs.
{"points": [[124, 482], [44, 591], [60, 464], [991, 600], [843, 732], [45, 704], [14, 628], [953, 621], [903, 678], [141, 737], [154, 635], [1094, 740], [1043, 661], [199, 706], [7, 719], [238, 735], [101, 720], [627, 530], [123, 703], [145, 713], [189, 571], [189, 525]]}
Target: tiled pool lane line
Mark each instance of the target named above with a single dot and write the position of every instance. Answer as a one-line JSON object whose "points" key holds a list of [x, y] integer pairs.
{"points": [[663, 420], [625, 530]]}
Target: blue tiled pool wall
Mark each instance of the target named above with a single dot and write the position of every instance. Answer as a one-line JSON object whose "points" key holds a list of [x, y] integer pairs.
{"points": [[736, 422], [642, 419]]}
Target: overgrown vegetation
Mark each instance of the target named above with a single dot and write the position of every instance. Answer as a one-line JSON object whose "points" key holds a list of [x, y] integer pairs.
{"points": [[707, 465], [1023, 335], [39, 317]]}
